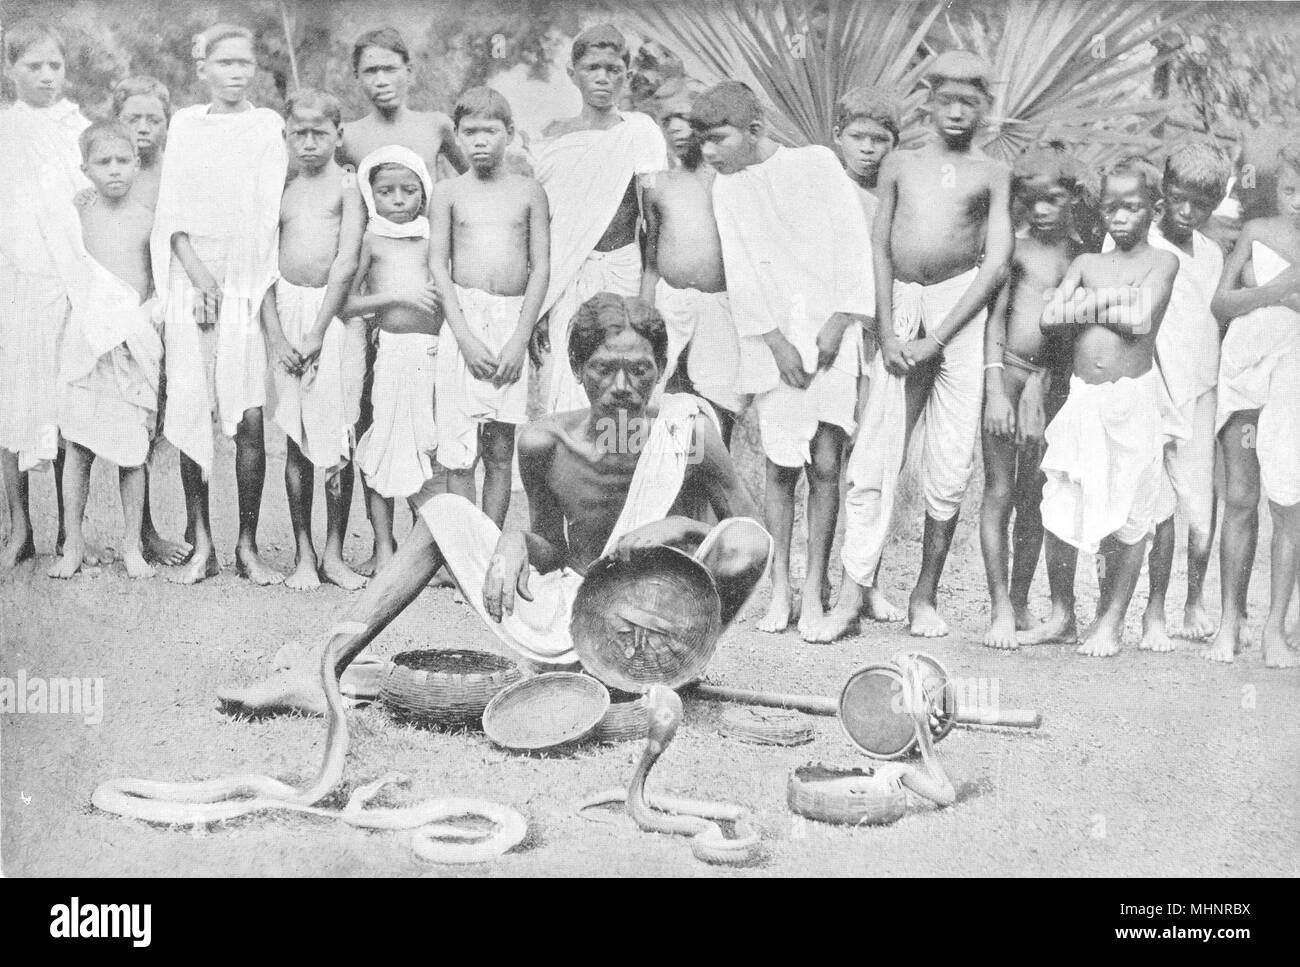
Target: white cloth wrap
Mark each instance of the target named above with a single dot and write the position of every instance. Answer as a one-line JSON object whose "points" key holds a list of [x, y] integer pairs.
{"points": [[377, 224], [464, 401], [396, 452], [1278, 433], [1104, 461], [1187, 482], [949, 423], [701, 323]]}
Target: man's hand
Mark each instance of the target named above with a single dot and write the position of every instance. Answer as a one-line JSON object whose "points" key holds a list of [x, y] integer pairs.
{"points": [[207, 300], [653, 534], [891, 353], [999, 416], [540, 343], [507, 576], [829, 338], [85, 198], [511, 364], [789, 363], [283, 356], [480, 360], [918, 351], [424, 299]]}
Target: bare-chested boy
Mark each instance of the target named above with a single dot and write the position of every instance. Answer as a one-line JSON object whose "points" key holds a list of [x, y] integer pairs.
{"points": [[1024, 376], [1105, 449], [316, 359], [1258, 299], [684, 277], [941, 241], [490, 249], [107, 400]]}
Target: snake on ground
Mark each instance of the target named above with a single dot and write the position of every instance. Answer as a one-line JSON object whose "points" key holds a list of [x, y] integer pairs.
{"points": [[214, 800], [697, 818]]}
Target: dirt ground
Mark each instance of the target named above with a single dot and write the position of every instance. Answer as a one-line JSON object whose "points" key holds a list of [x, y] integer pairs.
{"points": [[1146, 765]]}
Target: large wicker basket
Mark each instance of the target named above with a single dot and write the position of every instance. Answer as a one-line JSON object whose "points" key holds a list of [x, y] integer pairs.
{"points": [[831, 795], [445, 688], [627, 720]]}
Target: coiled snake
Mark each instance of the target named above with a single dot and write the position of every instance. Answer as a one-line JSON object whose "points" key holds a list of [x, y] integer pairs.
{"points": [[696, 818], [214, 800]]}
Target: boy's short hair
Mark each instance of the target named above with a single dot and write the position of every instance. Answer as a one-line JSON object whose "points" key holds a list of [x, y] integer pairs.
{"points": [[961, 66], [1199, 167], [204, 42], [482, 102], [605, 314], [311, 99], [601, 37], [386, 38], [105, 131], [730, 102], [1288, 156], [868, 104], [24, 34], [1136, 166], [1045, 161], [141, 85]]}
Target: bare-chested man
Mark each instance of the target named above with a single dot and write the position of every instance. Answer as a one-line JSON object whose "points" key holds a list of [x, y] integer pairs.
{"points": [[589, 494], [589, 165], [684, 278], [941, 241]]}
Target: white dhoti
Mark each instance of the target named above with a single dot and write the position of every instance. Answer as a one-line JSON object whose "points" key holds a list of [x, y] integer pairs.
{"points": [[1187, 480], [33, 313], [318, 412], [466, 402], [619, 272], [396, 453], [788, 417], [1104, 461], [1278, 433], [701, 323], [949, 423]]}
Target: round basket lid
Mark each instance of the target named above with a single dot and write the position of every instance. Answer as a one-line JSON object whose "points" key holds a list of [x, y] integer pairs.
{"points": [[653, 619], [939, 689], [545, 711], [872, 712]]}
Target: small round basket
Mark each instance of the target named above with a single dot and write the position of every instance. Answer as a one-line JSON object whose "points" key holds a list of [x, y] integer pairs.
{"points": [[626, 721], [841, 796], [651, 620], [445, 688], [766, 726], [549, 711]]}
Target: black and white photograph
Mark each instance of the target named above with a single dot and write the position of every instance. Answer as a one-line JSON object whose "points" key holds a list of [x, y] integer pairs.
{"points": [[647, 438]]}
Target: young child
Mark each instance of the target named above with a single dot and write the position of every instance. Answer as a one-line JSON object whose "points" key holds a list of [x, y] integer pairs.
{"points": [[1105, 448], [1258, 299], [317, 360], [1022, 366], [941, 241], [796, 251], [1187, 355], [490, 244], [395, 269], [111, 353], [214, 244], [40, 175]]}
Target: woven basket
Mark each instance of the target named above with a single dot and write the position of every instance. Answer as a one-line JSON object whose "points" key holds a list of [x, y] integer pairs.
{"points": [[766, 726], [626, 720], [553, 711], [831, 795], [445, 688]]}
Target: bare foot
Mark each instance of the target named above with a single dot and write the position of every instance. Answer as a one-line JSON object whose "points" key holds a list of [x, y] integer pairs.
{"points": [[335, 570], [74, 554], [840, 623], [1058, 627], [293, 690], [1245, 641], [1002, 630], [1154, 636], [811, 612], [1024, 620], [441, 579], [304, 576], [134, 562], [1278, 652], [880, 608], [383, 554], [779, 612], [1223, 647], [368, 567], [93, 556], [925, 620], [1197, 625], [16, 549], [200, 567], [248, 564], [159, 550], [1101, 642]]}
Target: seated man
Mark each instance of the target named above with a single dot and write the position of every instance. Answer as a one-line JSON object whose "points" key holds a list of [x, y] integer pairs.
{"points": [[609, 478]]}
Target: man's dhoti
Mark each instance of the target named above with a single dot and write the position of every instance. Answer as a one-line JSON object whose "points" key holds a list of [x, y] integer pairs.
{"points": [[396, 453], [319, 412], [950, 422], [619, 272], [1278, 433], [1103, 463], [1187, 478], [788, 417], [465, 402], [33, 313], [701, 323]]}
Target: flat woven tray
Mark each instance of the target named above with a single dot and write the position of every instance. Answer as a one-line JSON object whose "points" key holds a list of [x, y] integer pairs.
{"points": [[832, 795], [445, 688], [766, 726], [625, 721], [546, 712]]}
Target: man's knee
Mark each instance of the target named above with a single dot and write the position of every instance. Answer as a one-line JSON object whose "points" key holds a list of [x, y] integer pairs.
{"points": [[439, 507], [741, 546]]}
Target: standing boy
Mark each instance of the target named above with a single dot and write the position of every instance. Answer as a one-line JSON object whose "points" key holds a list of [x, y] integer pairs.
{"points": [[143, 105], [490, 257], [797, 257], [1025, 372], [315, 357], [1105, 447], [941, 241]]}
